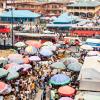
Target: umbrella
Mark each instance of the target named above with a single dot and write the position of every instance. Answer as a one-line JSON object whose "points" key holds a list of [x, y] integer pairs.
{"points": [[15, 68], [48, 43], [31, 50], [14, 56], [66, 91], [3, 72], [12, 75], [16, 60], [20, 44], [26, 67], [58, 65], [86, 47], [3, 87], [7, 66], [69, 60], [66, 98], [75, 66], [34, 58], [46, 52], [3, 60], [59, 79], [49, 47], [36, 44]]}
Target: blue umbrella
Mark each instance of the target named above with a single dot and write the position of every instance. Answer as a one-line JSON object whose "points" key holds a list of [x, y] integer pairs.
{"points": [[59, 79], [46, 52]]}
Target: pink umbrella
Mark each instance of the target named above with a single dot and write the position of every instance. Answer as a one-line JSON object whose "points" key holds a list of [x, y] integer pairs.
{"points": [[34, 58], [66, 98], [36, 44], [3, 87]]}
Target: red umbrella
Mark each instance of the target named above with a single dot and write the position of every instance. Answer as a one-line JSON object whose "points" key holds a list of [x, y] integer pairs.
{"points": [[36, 44], [66, 91], [3, 87]]}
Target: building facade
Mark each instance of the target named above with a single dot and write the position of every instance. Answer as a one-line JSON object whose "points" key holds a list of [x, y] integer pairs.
{"points": [[85, 9]]}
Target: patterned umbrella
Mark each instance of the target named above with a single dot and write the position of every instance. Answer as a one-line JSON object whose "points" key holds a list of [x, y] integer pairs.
{"points": [[35, 58], [3, 72], [59, 79], [12, 75], [46, 52], [31, 50], [75, 66], [3, 87], [36, 44], [66, 98], [20, 44], [66, 91], [58, 65]]}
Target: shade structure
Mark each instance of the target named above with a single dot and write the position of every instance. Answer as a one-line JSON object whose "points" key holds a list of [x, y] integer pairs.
{"points": [[66, 91], [14, 68], [58, 65], [69, 60], [34, 58], [86, 47], [36, 44], [31, 50], [3, 87], [48, 43], [50, 47], [15, 56], [20, 44], [26, 67], [75, 66], [66, 98], [3, 72], [59, 79], [46, 52], [7, 66], [16, 60], [12, 75]]}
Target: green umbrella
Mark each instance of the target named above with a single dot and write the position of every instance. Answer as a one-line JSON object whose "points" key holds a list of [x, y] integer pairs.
{"points": [[12, 75], [3, 72], [58, 65]]}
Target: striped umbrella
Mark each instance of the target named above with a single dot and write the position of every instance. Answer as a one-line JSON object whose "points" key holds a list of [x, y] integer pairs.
{"points": [[59, 79], [31, 50]]}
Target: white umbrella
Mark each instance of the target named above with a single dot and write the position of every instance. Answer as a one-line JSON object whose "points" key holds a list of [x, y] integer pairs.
{"points": [[47, 43], [47, 32], [86, 47], [50, 47], [93, 53], [75, 66], [20, 44], [34, 58]]}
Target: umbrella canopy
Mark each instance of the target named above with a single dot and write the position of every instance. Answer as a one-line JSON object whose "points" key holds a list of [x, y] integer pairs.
{"points": [[59, 79], [31, 50], [46, 52], [50, 47], [26, 60], [3, 72], [11, 56], [58, 65], [3, 60], [34, 58], [20, 44], [75, 66], [12, 75], [7, 66], [86, 47], [36, 44], [66, 98], [26, 67], [48, 43], [69, 60], [3, 87], [66, 91]]}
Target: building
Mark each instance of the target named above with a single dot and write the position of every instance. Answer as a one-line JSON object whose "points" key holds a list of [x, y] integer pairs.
{"points": [[45, 8], [85, 9]]}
